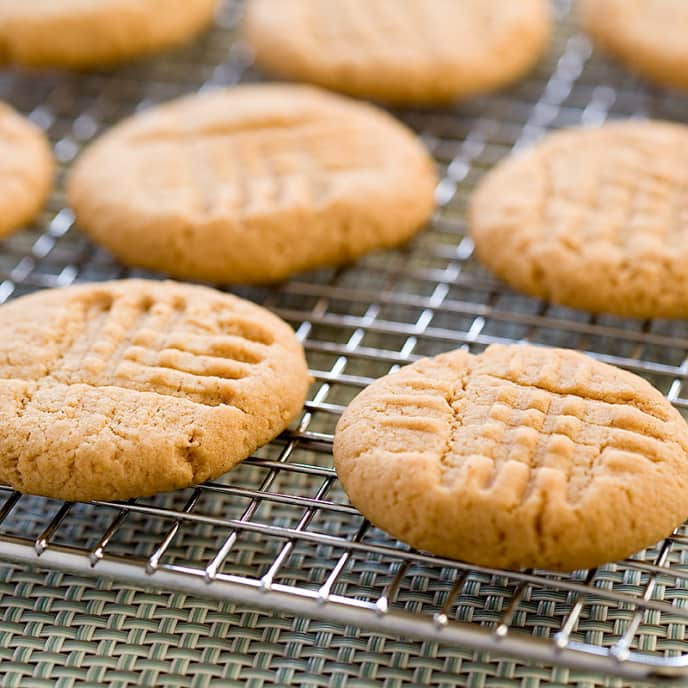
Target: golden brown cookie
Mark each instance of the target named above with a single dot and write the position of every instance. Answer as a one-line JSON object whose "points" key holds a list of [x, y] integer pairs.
{"points": [[124, 389], [78, 34], [424, 52], [518, 457], [252, 184], [26, 170], [592, 218], [649, 37]]}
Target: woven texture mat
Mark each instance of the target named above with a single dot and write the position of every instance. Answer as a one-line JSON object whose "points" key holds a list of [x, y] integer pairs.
{"points": [[62, 630]]}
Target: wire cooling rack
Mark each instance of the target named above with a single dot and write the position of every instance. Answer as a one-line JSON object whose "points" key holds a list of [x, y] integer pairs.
{"points": [[278, 531]]}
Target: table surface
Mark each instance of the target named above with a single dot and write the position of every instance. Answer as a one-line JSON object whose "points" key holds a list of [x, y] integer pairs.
{"points": [[60, 630]]}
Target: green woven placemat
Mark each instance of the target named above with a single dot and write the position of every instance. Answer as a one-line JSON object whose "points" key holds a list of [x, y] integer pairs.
{"points": [[62, 630]]}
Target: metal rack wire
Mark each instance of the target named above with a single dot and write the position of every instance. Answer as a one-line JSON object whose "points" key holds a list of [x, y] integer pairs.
{"points": [[278, 531]]}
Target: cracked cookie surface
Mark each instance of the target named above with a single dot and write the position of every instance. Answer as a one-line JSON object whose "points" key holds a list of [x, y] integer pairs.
{"points": [[252, 184], [592, 218], [518, 457], [26, 170], [80, 34], [122, 389], [648, 37], [424, 52]]}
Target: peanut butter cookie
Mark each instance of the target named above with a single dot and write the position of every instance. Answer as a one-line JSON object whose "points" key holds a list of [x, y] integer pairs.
{"points": [[123, 389], [518, 457], [648, 37], [424, 52], [26, 170], [79, 34], [252, 184], [592, 218]]}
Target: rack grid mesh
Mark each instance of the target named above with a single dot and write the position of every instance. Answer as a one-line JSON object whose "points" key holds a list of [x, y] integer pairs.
{"points": [[278, 531]]}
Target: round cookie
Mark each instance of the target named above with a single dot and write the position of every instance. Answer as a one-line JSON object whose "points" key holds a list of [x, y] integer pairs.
{"points": [[122, 389], [78, 34], [592, 218], [648, 37], [26, 170], [252, 184], [422, 52], [520, 457]]}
